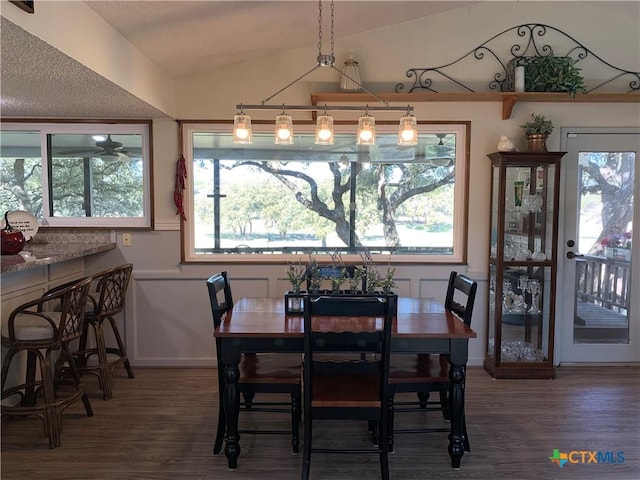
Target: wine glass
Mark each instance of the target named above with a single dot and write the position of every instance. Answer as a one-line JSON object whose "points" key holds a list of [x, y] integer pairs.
{"points": [[534, 289]]}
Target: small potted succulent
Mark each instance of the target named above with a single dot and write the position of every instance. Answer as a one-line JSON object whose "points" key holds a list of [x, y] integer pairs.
{"points": [[537, 130]]}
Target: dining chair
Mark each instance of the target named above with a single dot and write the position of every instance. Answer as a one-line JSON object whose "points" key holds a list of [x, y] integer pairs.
{"points": [[106, 300], [346, 388], [260, 373], [44, 329], [423, 374]]}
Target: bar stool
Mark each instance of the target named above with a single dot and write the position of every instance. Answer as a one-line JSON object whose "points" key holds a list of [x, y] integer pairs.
{"points": [[44, 328], [102, 306]]}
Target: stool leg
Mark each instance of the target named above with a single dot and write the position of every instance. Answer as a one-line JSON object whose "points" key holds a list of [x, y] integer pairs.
{"points": [[30, 397], [82, 345], [76, 376], [52, 418], [103, 364], [121, 347]]}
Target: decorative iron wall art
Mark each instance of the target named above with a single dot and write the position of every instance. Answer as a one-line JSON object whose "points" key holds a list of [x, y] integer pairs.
{"points": [[530, 40]]}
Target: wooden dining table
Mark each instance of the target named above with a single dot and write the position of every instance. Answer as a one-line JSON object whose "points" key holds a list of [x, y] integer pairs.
{"points": [[421, 325]]}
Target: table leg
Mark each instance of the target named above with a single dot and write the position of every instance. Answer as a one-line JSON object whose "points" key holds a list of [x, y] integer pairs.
{"points": [[231, 410], [456, 399]]}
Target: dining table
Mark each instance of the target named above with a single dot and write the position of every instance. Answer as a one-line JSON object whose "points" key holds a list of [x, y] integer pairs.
{"points": [[420, 325]]}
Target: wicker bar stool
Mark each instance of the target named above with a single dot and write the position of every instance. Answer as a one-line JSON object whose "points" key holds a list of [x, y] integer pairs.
{"points": [[43, 328], [104, 303]]}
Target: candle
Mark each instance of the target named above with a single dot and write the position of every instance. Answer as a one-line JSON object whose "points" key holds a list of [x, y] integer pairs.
{"points": [[519, 79]]}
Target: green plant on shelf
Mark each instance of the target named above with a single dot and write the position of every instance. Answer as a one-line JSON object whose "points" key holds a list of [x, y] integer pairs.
{"points": [[538, 126]]}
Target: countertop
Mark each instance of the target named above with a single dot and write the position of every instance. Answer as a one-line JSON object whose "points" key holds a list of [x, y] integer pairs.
{"points": [[40, 254]]}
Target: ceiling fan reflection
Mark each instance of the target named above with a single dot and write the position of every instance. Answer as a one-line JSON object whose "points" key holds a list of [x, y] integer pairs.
{"points": [[107, 150]]}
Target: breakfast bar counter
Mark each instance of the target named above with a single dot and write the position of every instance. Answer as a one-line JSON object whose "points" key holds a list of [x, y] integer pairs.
{"points": [[41, 254]]}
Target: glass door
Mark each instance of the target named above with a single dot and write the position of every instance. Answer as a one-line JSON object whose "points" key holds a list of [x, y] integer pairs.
{"points": [[598, 313]]}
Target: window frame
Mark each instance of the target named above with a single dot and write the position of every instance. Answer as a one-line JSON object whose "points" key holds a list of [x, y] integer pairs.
{"points": [[461, 195], [80, 127]]}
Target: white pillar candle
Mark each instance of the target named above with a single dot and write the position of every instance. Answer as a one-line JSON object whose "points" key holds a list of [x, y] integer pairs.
{"points": [[519, 78]]}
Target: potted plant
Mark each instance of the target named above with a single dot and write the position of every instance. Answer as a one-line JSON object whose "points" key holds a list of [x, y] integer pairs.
{"points": [[537, 131], [548, 73]]}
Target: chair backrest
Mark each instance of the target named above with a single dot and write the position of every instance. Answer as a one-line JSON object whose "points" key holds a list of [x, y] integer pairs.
{"points": [[64, 305], [219, 296], [111, 290], [465, 287], [73, 302], [349, 324]]}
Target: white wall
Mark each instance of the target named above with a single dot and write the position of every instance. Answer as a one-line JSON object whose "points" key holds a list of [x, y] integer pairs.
{"points": [[168, 317]]}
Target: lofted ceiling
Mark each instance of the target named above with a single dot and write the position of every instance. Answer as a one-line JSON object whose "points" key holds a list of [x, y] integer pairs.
{"points": [[181, 38]]}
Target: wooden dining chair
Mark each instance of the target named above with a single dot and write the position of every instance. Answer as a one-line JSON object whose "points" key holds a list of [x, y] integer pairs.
{"points": [[261, 373], [423, 374], [44, 329], [346, 388]]}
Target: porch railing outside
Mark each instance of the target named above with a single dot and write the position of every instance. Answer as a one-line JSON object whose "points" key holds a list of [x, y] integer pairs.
{"points": [[604, 282]]}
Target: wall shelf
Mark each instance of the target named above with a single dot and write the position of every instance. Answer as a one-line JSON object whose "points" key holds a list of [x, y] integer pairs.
{"points": [[508, 99]]}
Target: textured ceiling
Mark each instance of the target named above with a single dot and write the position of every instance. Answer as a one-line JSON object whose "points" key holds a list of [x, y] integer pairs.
{"points": [[37, 80], [181, 38]]}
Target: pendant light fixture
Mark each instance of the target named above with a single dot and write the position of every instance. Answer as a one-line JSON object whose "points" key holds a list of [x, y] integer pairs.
{"points": [[242, 128], [408, 134], [366, 130], [408, 131], [324, 129], [284, 129]]}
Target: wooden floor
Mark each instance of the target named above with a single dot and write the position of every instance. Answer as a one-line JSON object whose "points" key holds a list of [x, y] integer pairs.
{"points": [[161, 426]]}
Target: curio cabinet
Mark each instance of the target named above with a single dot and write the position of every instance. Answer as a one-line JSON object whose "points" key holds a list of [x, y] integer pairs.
{"points": [[522, 264]]}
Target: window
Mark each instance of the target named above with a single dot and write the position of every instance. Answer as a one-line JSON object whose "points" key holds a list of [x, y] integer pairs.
{"points": [[284, 202], [88, 175]]}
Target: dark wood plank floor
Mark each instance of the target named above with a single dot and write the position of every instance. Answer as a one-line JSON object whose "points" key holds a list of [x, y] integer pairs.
{"points": [[161, 425]]}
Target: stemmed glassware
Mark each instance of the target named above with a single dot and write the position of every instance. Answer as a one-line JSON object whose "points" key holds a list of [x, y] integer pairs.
{"points": [[533, 287]]}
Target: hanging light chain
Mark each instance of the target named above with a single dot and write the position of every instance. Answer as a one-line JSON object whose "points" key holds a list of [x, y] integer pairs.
{"points": [[332, 33], [319, 28]]}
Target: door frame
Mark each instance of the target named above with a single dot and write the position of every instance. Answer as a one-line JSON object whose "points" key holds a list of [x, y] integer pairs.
{"points": [[565, 289]]}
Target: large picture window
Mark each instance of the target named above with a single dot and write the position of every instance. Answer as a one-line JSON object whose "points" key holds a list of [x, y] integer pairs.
{"points": [[284, 202], [89, 175]]}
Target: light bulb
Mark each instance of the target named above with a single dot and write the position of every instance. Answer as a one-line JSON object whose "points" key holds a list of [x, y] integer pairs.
{"points": [[324, 134], [366, 130], [407, 135], [284, 133], [284, 130], [242, 129], [366, 135], [324, 130], [408, 131]]}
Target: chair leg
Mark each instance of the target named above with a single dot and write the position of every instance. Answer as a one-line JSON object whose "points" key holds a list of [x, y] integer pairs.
{"points": [[248, 399], [423, 398], [444, 404], [222, 420], [306, 460], [122, 349], [467, 446], [296, 415], [390, 422]]}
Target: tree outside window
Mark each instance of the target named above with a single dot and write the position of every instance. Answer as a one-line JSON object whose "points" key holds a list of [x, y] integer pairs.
{"points": [[274, 200]]}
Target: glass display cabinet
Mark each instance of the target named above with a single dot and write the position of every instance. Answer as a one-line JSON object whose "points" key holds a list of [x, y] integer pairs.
{"points": [[522, 264]]}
